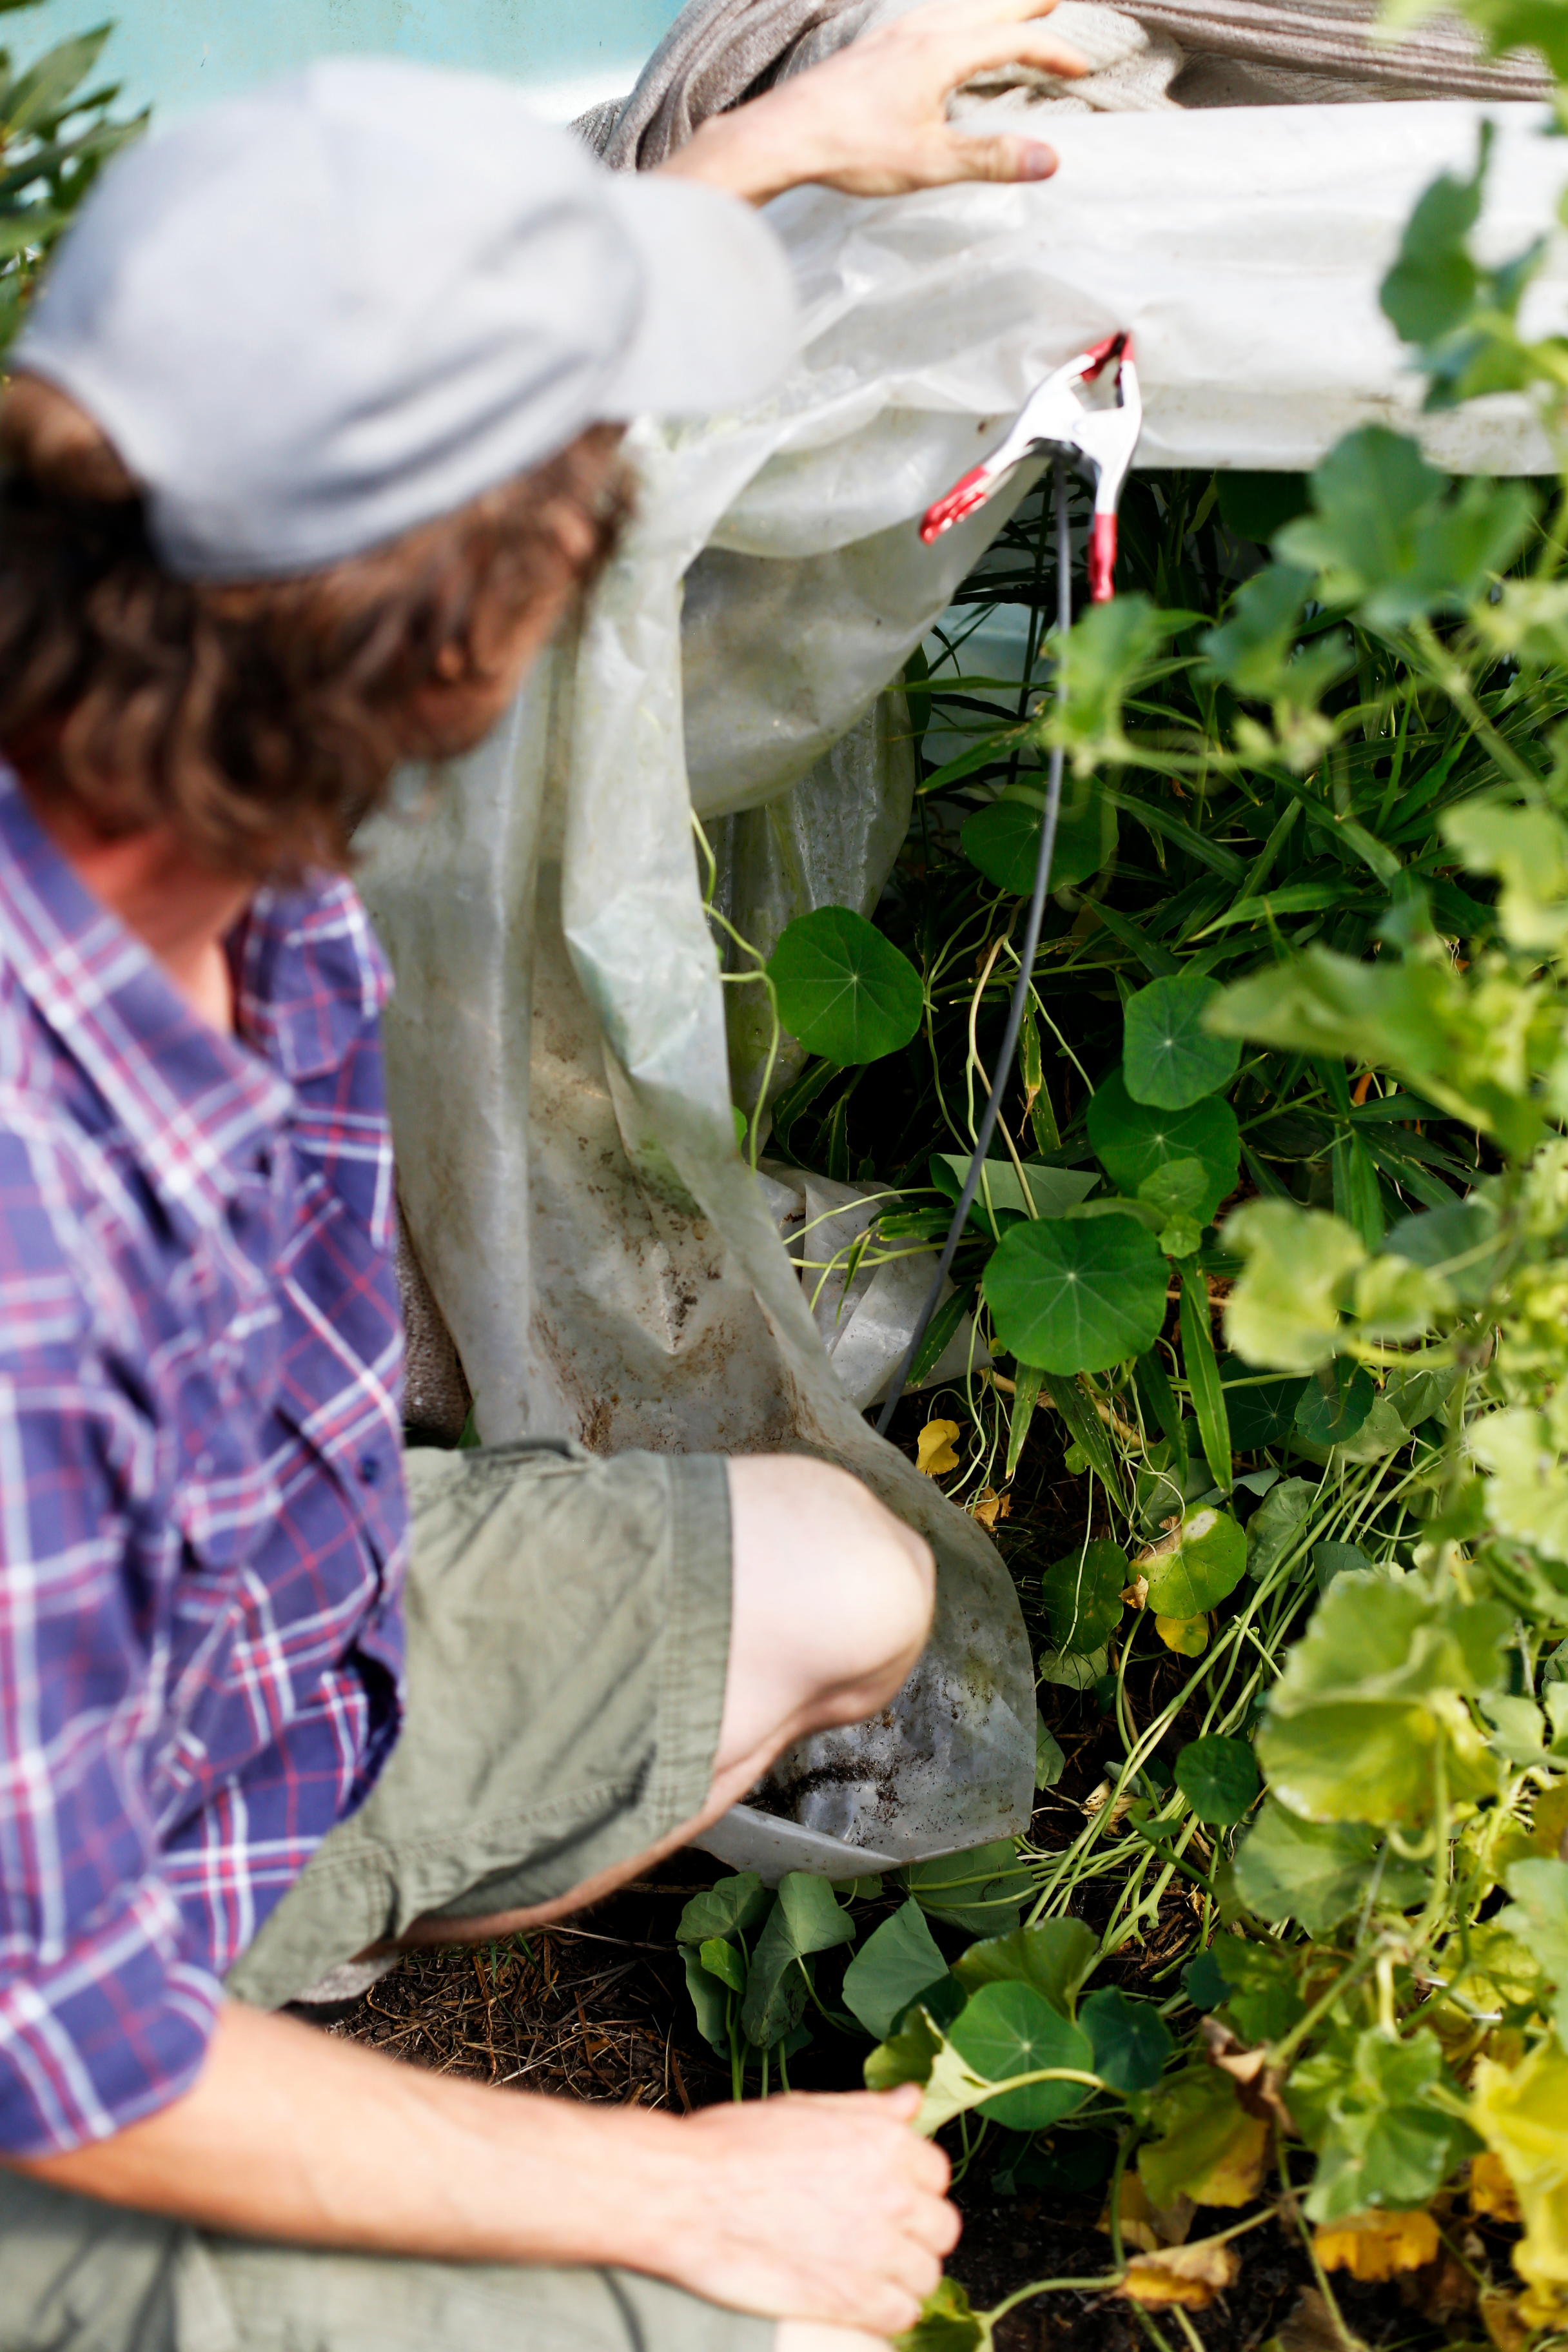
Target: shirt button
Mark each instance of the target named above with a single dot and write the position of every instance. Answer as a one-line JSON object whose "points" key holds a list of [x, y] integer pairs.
{"points": [[369, 1469]]}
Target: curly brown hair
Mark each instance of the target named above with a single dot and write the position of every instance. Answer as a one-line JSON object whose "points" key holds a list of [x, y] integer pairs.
{"points": [[262, 720]]}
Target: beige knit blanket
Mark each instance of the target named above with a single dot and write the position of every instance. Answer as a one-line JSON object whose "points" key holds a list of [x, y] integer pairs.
{"points": [[1146, 53]]}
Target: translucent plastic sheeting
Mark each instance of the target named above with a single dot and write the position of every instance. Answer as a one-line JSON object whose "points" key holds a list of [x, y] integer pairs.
{"points": [[864, 1312], [607, 1264]]}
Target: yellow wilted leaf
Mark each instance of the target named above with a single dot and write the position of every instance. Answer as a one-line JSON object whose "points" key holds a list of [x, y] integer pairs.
{"points": [[1192, 2276], [1504, 2321], [1188, 1636], [1548, 1823], [988, 1507], [1518, 2112], [1372, 2246], [934, 1451], [1491, 2191]]}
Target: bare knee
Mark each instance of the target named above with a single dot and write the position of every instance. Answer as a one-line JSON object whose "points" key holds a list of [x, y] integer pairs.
{"points": [[832, 1601]]}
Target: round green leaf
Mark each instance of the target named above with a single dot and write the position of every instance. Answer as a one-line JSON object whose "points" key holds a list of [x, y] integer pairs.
{"points": [[843, 990], [1219, 1780], [1009, 2029], [1261, 1411], [1077, 1295], [1168, 1057], [1134, 1140], [1202, 1983], [1131, 2039], [1083, 1596], [1334, 1420], [1003, 839], [1192, 1570]]}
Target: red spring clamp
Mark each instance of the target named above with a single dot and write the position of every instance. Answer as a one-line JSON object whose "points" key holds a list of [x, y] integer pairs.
{"points": [[1064, 416]]}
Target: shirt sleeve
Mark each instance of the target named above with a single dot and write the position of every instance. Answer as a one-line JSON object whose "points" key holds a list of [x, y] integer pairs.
{"points": [[104, 2016]]}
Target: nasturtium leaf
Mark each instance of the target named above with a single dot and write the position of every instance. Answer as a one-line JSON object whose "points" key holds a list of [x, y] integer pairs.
{"points": [[1003, 839], [1378, 1679], [1083, 1595], [1050, 1763], [1440, 1239], [898, 1962], [1209, 2147], [1131, 2039], [1276, 1524], [1188, 1636], [1191, 1570], [1055, 1956], [1077, 1296], [1518, 2110], [1255, 506], [1284, 1310], [946, 2323], [1413, 1016], [1312, 1871], [905, 2056], [806, 1918], [1069, 1670], [1333, 1417], [1384, 539], [1009, 2029], [730, 1907], [844, 991], [1218, 1777], [710, 2002], [724, 1961], [1203, 1982], [1261, 1412], [1538, 1915], [1133, 1140], [1369, 2107], [1265, 1997], [1332, 1560], [1169, 1058], [980, 1889]]}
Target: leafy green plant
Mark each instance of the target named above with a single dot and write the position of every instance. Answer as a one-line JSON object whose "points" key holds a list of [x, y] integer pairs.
{"points": [[57, 131], [1297, 1340]]}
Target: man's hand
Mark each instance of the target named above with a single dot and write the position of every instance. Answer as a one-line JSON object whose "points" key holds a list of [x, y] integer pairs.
{"points": [[824, 2210], [873, 120], [828, 2209]]}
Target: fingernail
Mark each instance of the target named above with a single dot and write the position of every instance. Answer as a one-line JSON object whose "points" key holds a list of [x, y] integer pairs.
{"points": [[1037, 162]]}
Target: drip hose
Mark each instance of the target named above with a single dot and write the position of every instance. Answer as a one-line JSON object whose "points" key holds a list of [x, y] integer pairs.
{"points": [[1021, 988]]}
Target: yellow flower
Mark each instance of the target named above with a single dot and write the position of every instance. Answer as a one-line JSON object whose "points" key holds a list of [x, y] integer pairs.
{"points": [[934, 1450]]}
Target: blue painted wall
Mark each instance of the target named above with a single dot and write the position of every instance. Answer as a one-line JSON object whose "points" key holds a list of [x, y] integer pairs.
{"points": [[179, 53]]}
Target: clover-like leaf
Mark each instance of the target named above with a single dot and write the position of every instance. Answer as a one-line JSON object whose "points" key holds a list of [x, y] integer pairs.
{"points": [[1169, 1058], [844, 991], [1284, 1310], [1077, 1295]]}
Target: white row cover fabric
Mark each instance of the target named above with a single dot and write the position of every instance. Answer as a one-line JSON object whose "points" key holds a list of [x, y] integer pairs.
{"points": [[557, 1050]]}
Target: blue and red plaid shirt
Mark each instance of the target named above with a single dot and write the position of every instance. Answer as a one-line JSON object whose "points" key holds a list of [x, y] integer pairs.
{"points": [[202, 1513]]}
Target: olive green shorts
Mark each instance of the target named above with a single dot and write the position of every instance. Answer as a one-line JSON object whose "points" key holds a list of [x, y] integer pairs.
{"points": [[568, 1631]]}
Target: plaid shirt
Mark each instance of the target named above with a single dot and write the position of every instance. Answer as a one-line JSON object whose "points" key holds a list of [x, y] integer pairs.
{"points": [[202, 1514]]}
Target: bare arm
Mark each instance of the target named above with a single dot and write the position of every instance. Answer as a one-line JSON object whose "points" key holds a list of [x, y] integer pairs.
{"points": [[822, 2209], [873, 121]]}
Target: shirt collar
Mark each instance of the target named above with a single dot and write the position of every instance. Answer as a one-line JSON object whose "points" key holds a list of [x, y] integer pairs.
{"points": [[195, 1105]]}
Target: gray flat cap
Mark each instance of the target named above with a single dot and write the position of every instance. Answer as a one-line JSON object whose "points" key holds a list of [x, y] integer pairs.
{"points": [[313, 317]]}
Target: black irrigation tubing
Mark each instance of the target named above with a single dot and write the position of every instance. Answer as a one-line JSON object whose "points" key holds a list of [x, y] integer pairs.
{"points": [[1021, 988]]}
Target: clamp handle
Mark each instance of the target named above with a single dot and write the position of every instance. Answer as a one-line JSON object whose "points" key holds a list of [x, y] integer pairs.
{"points": [[965, 495], [1102, 558]]}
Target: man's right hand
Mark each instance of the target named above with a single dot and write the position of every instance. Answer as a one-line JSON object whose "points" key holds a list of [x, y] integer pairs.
{"points": [[827, 2208], [825, 2211]]}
